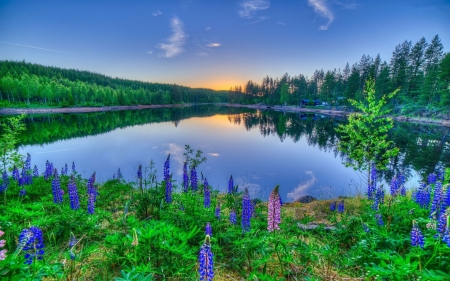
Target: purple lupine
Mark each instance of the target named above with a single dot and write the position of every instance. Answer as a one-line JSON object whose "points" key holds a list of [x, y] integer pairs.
{"points": [[28, 162], [380, 194], [206, 262], [233, 217], [340, 207], [441, 224], [22, 192], [15, 173], [139, 172], [394, 186], [31, 242], [2, 244], [91, 190], [432, 178], [91, 203], [63, 172], [246, 212], [185, 178], [35, 171], [379, 219], [119, 175], [73, 167], [333, 206], [73, 194], [230, 185], [5, 179], [436, 207], [274, 210], [167, 168], [194, 179], [423, 196], [446, 200], [56, 188], [3, 187], [373, 182], [169, 190], [66, 169], [208, 229], [48, 170], [217, 211], [206, 194], [417, 236], [446, 238]]}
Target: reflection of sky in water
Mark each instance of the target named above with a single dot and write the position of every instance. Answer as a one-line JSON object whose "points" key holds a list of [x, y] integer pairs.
{"points": [[256, 162]]}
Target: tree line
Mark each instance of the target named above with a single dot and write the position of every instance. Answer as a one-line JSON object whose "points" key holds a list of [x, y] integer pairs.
{"points": [[421, 71], [23, 83]]}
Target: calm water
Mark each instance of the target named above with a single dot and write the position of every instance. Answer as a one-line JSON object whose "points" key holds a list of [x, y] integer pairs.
{"points": [[259, 148]]}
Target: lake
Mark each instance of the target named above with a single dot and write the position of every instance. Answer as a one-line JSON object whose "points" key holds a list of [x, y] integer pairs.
{"points": [[260, 149]]}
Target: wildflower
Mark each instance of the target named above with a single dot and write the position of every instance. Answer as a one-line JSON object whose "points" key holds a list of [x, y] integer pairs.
{"points": [[233, 217], [207, 194], [73, 168], [441, 224], [193, 179], [217, 211], [2, 244], [91, 203], [119, 175], [185, 178], [56, 188], [208, 229], [333, 206], [15, 173], [246, 211], [230, 185], [437, 200], [366, 228], [139, 172], [206, 263], [27, 165], [35, 171], [341, 207], [446, 238], [32, 243], [423, 196], [63, 172], [5, 179], [92, 194], [379, 219], [274, 208], [167, 168], [72, 241], [446, 200], [22, 192], [373, 182], [66, 169], [169, 190], [432, 178], [394, 186], [73, 194], [417, 237]]}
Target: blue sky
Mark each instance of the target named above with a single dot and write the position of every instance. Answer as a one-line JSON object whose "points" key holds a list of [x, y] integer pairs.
{"points": [[214, 44]]}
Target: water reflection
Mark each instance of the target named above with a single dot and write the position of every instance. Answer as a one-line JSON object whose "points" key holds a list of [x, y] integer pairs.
{"points": [[259, 148]]}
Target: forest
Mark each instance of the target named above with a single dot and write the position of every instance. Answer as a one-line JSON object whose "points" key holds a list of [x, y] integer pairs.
{"points": [[421, 71]]}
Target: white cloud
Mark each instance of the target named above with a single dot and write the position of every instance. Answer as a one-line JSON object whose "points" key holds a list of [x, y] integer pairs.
{"points": [[149, 52], [213, 154], [176, 41], [321, 8], [349, 5], [176, 155], [259, 19], [211, 45], [208, 28], [155, 14], [302, 187], [281, 23], [250, 7]]}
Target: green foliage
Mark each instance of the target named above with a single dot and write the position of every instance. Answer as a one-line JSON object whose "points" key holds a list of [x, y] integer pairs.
{"points": [[11, 128], [365, 136]]}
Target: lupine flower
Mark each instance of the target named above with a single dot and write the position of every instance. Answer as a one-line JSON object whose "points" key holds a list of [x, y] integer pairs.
{"points": [[233, 217], [35, 171], [66, 169], [5, 179], [206, 262], [380, 194], [28, 162], [56, 188], [169, 190], [48, 170], [2, 244], [73, 194], [22, 192], [208, 229], [91, 203], [446, 202], [15, 173], [207, 194], [432, 178], [340, 207], [446, 238], [274, 209], [417, 237], [423, 196], [63, 172], [193, 179], [73, 168], [3, 187], [217, 211], [119, 174], [185, 178], [437, 200], [246, 212], [32, 243], [91, 187], [333, 206], [441, 224], [230, 185], [167, 168], [394, 186], [379, 219], [139, 172], [373, 182]]}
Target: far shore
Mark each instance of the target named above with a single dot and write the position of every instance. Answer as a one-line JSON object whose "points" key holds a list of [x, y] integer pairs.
{"points": [[15, 111]]}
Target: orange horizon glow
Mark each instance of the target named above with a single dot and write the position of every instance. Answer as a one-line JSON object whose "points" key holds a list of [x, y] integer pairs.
{"points": [[218, 85]]}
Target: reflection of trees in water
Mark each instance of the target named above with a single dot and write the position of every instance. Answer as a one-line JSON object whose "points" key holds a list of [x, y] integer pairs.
{"points": [[423, 148]]}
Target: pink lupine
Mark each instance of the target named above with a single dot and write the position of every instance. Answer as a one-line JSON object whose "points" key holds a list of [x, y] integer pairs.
{"points": [[273, 213]]}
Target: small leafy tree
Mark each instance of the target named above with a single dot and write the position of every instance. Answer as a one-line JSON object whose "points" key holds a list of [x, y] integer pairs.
{"points": [[364, 137], [11, 129]]}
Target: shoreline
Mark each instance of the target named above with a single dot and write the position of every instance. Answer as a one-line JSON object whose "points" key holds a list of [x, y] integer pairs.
{"points": [[14, 111]]}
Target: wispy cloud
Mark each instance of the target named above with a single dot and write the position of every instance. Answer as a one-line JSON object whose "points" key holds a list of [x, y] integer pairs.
{"points": [[208, 28], [349, 5], [202, 54], [34, 47], [321, 8], [212, 45], [149, 52], [176, 155], [281, 23], [213, 154], [176, 41], [250, 7], [301, 188], [260, 19], [158, 13]]}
